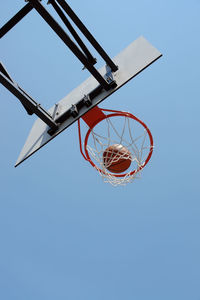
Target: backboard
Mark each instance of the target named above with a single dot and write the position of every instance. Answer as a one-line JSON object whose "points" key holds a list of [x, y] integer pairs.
{"points": [[131, 61]]}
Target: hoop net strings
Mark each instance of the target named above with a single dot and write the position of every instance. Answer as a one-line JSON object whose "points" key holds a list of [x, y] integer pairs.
{"points": [[101, 143], [131, 135]]}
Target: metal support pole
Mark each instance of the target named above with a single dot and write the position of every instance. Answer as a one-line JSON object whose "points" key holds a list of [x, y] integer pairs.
{"points": [[5, 72], [14, 20], [66, 39], [87, 34], [91, 59], [28, 102]]}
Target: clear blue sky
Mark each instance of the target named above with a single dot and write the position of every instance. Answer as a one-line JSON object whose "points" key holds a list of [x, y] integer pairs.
{"points": [[64, 234]]}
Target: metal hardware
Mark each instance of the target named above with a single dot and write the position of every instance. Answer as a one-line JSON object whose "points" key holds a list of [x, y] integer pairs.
{"points": [[87, 101], [74, 111]]}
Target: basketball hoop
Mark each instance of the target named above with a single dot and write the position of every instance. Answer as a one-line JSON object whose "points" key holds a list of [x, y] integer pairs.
{"points": [[116, 128]]}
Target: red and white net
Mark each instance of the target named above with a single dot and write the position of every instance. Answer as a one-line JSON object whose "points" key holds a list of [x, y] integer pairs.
{"points": [[125, 131]]}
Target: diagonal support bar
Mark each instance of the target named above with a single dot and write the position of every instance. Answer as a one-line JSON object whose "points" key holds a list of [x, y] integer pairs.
{"points": [[5, 72], [90, 58], [27, 101], [87, 34], [16, 19], [66, 39]]}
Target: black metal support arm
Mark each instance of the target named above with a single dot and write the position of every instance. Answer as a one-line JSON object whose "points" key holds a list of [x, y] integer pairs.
{"points": [[66, 39], [14, 20], [84, 56], [5, 72], [87, 34], [79, 50], [90, 58], [28, 102]]}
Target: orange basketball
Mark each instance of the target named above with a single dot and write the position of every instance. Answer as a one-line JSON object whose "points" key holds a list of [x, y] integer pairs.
{"points": [[117, 158]]}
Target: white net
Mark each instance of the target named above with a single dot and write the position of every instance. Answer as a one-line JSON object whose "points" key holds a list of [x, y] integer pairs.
{"points": [[119, 147]]}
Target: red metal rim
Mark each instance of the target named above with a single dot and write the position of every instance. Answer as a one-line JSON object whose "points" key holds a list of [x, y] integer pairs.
{"points": [[116, 114]]}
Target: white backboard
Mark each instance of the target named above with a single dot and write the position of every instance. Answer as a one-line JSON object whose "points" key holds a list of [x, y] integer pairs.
{"points": [[131, 61]]}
